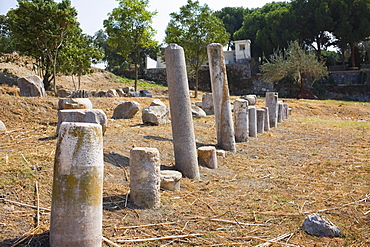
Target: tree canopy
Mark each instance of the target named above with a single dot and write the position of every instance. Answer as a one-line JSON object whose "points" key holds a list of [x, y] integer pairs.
{"points": [[193, 28], [129, 29]]}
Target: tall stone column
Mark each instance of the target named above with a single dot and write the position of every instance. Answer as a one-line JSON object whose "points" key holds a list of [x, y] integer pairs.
{"points": [[181, 116], [271, 103], [280, 111], [145, 177], [77, 197], [241, 121], [260, 120], [221, 101], [266, 125], [252, 121]]}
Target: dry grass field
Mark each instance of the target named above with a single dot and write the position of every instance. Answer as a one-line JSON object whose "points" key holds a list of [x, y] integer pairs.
{"points": [[318, 160]]}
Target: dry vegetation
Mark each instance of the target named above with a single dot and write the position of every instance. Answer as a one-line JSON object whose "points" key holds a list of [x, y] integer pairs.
{"points": [[316, 160]]}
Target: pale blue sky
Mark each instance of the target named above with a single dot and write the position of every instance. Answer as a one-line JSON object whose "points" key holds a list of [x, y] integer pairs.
{"points": [[91, 13]]}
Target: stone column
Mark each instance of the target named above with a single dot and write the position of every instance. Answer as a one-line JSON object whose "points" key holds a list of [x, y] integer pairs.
{"points": [[271, 103], [221, 101], [260, 120], [207, 156], [145, 177], [266, 125], [181, 116], [77, 197], [252, 121], [280, 112], [241, 121], [286, 111]]}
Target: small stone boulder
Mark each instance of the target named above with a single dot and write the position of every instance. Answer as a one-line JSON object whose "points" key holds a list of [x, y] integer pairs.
{"points": [[120, 93], [197, 112], [155, 115], [145, 93], [83, 116], [207, 157], [128, 90], [207, 104], [170, 180], [101, 94], [74, 103], [31, 86], [126, 110], [157, 102], [64, 93], [251, 98], [2, 126], [81, 94], [111, 93], [320, 226]]}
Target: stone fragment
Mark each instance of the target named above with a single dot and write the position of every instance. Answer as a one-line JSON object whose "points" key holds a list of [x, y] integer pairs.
{"points": [[260, 120], [320, 226], [83, 116], [157, 102], [74, 103], [197, 112], [2, 126], [207, 104], [155, 115], [207, 157], [252, 121], [81, 94], [111, 93], [280, 111], [251, 98], [145, 93], [181, 116], [128, 90], [198, 103], [145, 177], [120, 93], [77, 196], [101, 94], [241, 120], [134, 94], [31, 86], [64, 93], [126, 110], [271, 103], [221, 153], [266, 125], [170, 180]]}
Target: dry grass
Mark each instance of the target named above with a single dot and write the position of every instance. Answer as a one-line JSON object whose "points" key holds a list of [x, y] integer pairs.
{"points": [[317, 159]]}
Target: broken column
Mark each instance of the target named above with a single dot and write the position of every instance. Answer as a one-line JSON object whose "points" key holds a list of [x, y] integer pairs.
{"points": [[252, 121], [145, 177], [280, 107], [207, 156], [181, 117], [260, 120], [221, 101], [241, 121], [77, 197], [271, 103], [266, 125]]}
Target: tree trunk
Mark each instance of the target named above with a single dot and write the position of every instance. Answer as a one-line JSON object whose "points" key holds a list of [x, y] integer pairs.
{"points": [[196, 83], [353, 61]]}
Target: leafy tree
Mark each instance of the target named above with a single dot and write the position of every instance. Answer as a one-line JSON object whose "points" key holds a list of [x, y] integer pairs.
{"points": [[77, 54], [232, 19], [295, 63], [353, 23], [129, 30], [39, 29], [268, 28], [193, 28], [5, 39]]}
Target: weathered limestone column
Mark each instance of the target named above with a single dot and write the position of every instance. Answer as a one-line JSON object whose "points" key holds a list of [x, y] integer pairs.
{"points": [[280, 111], [221, 101], [286, 111], [207, 156], [260, 120], [266, 125], [77, 197], [145, 177], [181, 117], [241, 121], [271, 103], [252, 121]]}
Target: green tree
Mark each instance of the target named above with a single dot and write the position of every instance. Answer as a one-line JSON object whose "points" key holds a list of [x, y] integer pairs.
{"points": [[193, 28], [5, 35], [294, 63], [129, 30], [232, 19], [39, 29], [77, 54]]}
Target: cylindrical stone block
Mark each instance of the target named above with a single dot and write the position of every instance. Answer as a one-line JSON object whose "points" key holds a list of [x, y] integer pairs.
{"points": [[286, 111], [207, 156], [77, 197], [241, 121], [260, 120], [252, 121], [266, 125], [145, 177], [181, 117], [74, 103], [280, 111], [271, 103], [221, 101]]}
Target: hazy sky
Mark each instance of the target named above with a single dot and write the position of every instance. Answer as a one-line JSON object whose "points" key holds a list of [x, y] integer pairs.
{"points": [[91, 13]]}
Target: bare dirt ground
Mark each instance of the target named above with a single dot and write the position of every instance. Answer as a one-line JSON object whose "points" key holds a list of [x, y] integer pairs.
{"points": [[318, 160]]}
